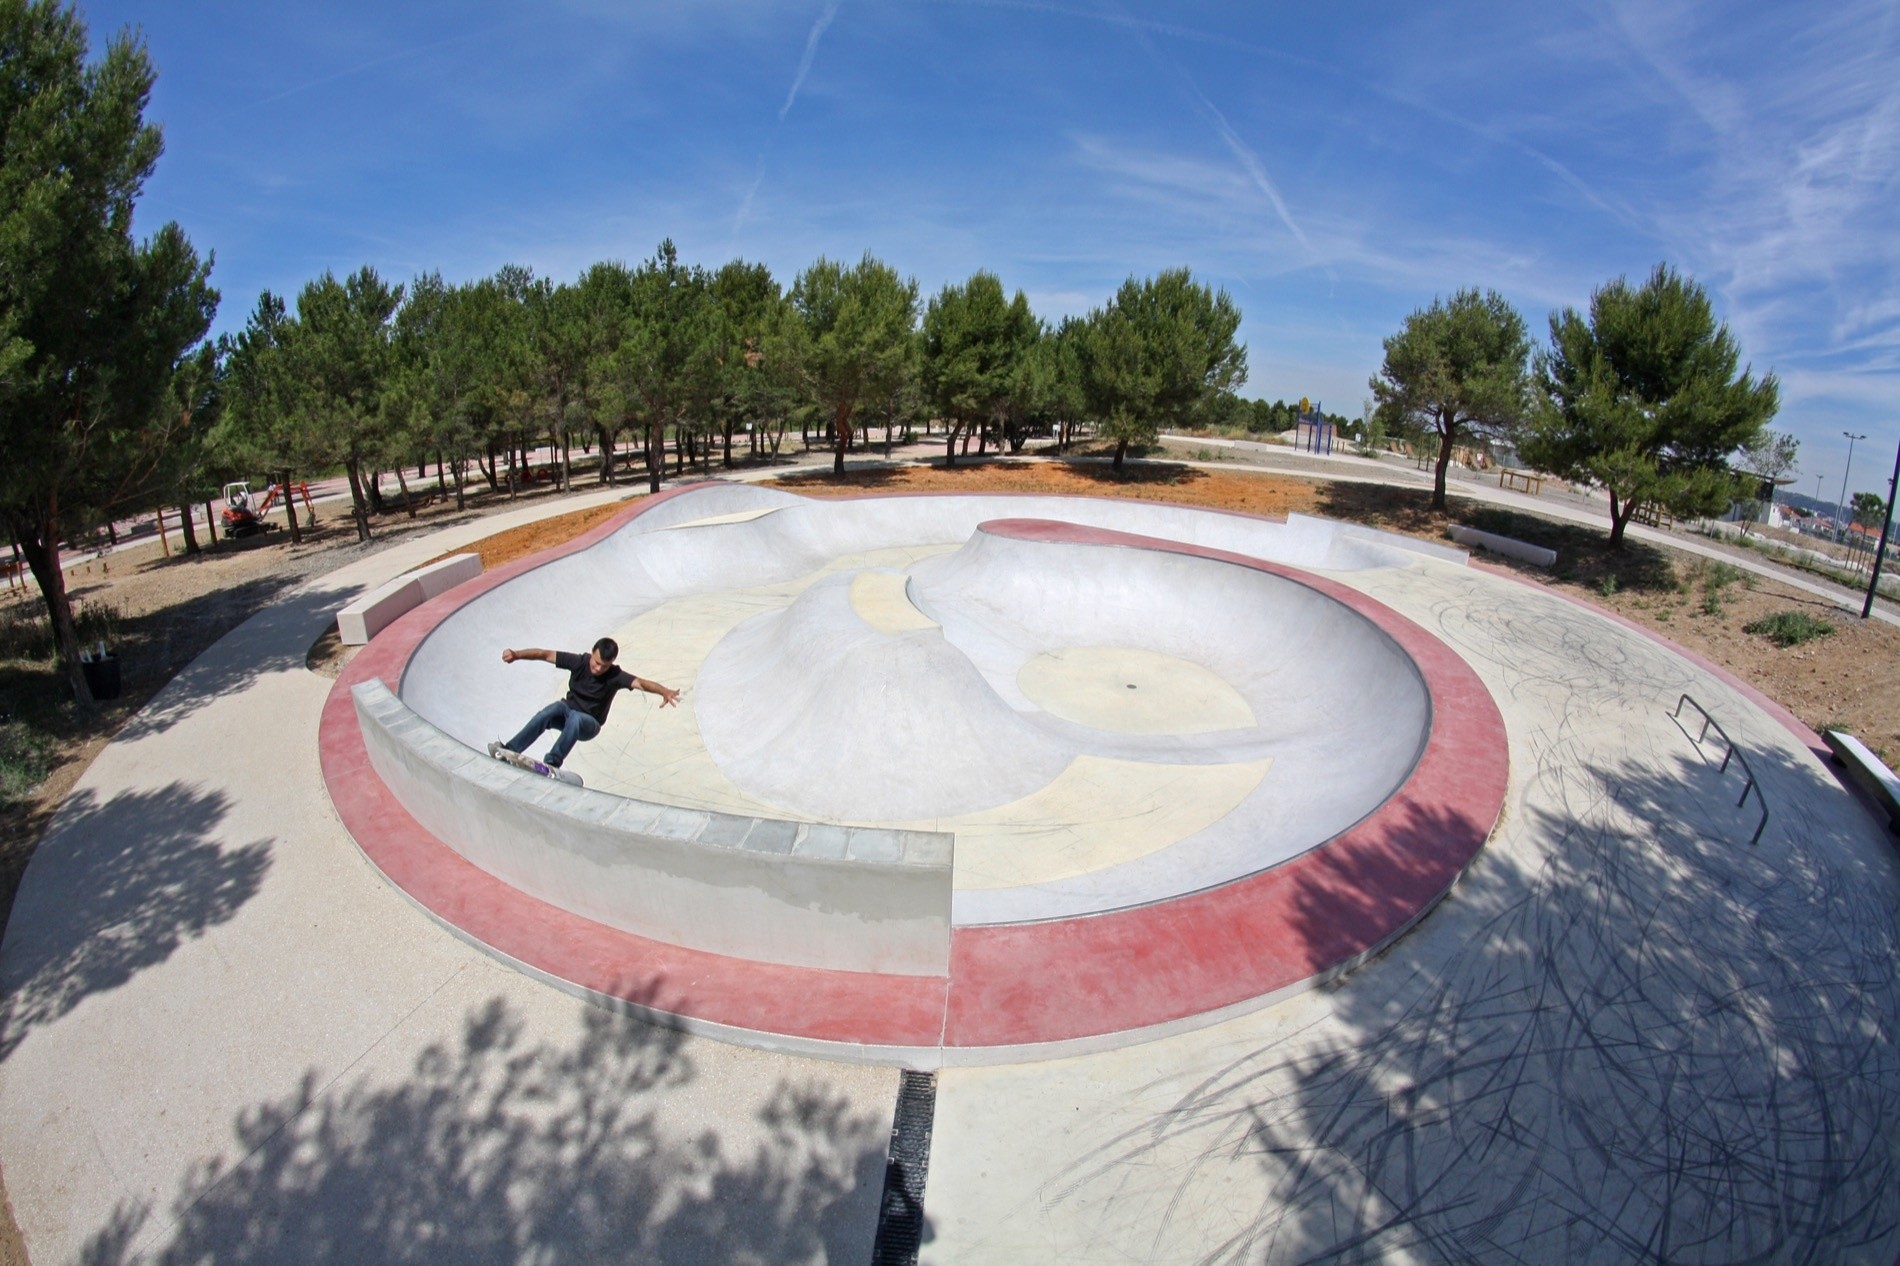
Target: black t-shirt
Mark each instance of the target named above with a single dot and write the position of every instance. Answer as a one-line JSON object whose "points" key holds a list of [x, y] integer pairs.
{"points": [[592, 695]]}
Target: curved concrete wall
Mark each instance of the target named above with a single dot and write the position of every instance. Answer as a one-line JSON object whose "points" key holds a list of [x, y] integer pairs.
{"points": [[737, 536], [847, 899]]}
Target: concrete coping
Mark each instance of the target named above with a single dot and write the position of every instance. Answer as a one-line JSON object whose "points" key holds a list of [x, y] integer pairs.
{"points": [[376, 610], [807, 894]]}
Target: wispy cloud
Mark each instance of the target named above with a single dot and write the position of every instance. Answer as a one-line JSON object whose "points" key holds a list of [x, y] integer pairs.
{"points": [[818, 29], [376, 63]]}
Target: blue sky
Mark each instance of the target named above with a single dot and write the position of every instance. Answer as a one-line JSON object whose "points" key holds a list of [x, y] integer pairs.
{"points": [[1333, 172]]}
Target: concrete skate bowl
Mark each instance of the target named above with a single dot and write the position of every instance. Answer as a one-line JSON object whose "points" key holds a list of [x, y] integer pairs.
{"points": [[954, 779]]}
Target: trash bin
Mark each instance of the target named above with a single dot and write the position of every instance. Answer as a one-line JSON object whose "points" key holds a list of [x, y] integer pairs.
{"points": [[102, 676]]}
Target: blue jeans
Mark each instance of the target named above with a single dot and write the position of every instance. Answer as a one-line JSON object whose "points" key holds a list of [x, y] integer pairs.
{"points": [[575, 727]]}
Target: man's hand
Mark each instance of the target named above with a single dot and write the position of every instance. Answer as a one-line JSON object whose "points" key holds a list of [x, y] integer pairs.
{"points": [[668, 698], [508, 657]]}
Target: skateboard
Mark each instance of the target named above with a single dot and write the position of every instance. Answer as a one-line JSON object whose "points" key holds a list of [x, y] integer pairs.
{"points": [[534, 766]]}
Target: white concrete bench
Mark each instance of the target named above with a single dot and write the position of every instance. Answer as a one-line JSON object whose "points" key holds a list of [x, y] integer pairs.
{"points": [[1509, 547], [379, 608], [1867, 770]]}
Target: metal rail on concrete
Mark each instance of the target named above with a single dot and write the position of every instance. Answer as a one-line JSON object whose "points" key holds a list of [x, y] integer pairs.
{"points": [[1710, 723]]}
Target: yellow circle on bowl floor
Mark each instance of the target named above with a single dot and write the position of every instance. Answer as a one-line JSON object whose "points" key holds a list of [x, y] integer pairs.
{"points": [[1133, 691]]}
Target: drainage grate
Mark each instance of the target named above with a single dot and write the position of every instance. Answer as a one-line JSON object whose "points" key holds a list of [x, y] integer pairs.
{"points": [[900, 1216]]}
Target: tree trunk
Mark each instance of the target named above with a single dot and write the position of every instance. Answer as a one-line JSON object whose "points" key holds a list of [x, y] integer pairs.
{"points": [[728, 435], [373, 489], [358, 504], [1121, 451], [441, 483], [184, 524], [458, 467], [488, 468], [37, 538], [841, 427], [211, 526], [950, 430], [656, 455], [290, 509], [1621, 512], [1444, 464], [408, 502]]}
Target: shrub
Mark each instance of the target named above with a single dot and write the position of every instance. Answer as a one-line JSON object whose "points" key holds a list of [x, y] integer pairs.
{"points": [[1790, 628], [25, 632], [26, 757], [1607, 586]]}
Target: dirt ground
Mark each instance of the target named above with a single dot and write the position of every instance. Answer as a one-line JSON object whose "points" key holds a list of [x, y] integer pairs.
{"points": [[171, 610]]}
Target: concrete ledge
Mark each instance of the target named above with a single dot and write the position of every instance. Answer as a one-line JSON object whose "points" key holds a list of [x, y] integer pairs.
{"points": [[1868, 770], [768, 890], [1535, 555], [379, 608]]}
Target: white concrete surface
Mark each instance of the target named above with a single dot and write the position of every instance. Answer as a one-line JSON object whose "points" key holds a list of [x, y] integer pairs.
{"points": [[1625, 1037], [859, 661]]}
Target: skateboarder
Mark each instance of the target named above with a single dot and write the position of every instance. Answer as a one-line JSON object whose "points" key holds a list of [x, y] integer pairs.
{"points": [[592, 683]]}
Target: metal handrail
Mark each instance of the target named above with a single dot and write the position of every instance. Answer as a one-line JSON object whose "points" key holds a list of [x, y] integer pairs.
{"points": [[1708, 723]]}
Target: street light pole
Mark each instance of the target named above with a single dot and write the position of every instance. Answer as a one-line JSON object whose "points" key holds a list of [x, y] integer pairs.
{"points": [[1880, 554], [1840, 520]]}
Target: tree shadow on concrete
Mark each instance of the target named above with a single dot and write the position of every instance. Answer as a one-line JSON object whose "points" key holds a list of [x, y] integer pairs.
{"points": [[1635, 1039], [133, 879], [500, 1148], [277, 639]]}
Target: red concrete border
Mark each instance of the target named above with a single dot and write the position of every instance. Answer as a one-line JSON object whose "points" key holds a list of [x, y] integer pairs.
{"points": [[1022, 984]]}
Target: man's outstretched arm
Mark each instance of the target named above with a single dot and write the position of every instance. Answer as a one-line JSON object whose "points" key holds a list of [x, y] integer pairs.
{"points": [[529, 652], [668, 697]]}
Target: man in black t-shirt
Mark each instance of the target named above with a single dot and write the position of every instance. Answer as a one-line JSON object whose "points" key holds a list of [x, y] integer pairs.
{"points": [[592, 683]]}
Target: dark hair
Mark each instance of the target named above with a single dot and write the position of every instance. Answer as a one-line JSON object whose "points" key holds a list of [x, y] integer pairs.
{"points": [[608, 648]]}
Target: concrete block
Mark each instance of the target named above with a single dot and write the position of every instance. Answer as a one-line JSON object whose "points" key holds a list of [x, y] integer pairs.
{"points": [[1868, 770], [376, 610], [1535, 555]]}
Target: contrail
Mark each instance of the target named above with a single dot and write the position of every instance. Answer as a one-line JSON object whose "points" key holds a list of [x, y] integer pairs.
{"points": [[811, 51], [1256, 170], [1249, 161], [817, 33], [745, 207]]}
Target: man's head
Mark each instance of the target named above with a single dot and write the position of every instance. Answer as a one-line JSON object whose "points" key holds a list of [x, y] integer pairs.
{"points": [[602, 657]]}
